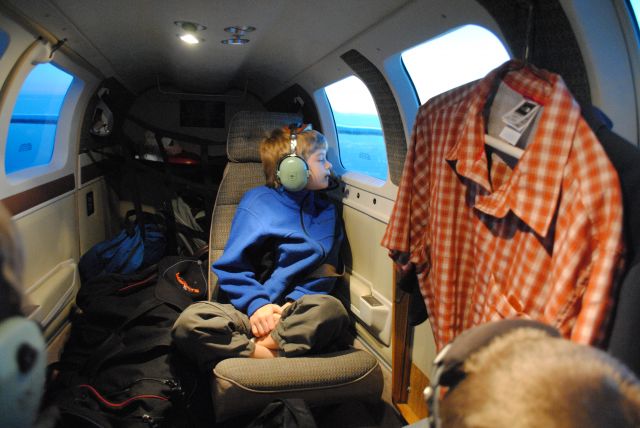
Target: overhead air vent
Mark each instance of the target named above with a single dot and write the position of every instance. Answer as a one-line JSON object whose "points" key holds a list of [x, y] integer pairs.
{"points": [[237, 33]]}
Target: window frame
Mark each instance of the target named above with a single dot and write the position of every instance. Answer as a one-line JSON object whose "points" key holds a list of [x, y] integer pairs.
{"points": [[3, 49], [64, 162]]}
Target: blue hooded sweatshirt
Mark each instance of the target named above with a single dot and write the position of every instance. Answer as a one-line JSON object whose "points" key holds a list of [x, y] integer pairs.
{"points": [[272, 220]]}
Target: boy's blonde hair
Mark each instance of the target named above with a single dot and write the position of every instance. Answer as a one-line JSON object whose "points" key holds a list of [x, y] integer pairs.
{"points": [[527, 379], [278, 145]]}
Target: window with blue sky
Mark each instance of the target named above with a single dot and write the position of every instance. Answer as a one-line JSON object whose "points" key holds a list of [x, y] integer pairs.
{"points": [[635, 9], [32, 131], [453, 59], [360, 137]]}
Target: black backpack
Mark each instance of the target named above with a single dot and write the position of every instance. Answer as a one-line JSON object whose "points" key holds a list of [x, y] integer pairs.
{"points": [[118, 368], [285, 413]]}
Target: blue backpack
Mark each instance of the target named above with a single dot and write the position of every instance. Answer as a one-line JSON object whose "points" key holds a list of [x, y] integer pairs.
{"points": [[129, 251]]}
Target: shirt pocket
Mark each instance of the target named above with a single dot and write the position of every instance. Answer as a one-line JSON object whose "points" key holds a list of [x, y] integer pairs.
{"points": [[502, 304]]}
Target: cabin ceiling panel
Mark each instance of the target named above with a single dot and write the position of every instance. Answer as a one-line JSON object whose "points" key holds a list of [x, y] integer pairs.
{"points": [[135, 41]]}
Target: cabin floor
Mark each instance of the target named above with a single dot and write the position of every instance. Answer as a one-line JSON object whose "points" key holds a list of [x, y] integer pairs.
{"points": [[346, 415], [363, 415]]}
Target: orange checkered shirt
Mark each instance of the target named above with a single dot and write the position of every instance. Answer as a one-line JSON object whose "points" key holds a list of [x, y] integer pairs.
{"points": [[541, 240]]}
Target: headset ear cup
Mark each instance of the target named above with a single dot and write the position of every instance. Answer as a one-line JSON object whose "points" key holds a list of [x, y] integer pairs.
{"points": [[293, 173], [22, 371]]}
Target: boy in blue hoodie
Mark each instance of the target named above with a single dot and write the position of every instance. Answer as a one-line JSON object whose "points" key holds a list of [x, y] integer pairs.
{"points": [[281, 307]]}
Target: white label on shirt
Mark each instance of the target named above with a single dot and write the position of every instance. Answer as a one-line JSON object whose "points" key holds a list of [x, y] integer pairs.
{"points": [[510, 135], [521, 115]]}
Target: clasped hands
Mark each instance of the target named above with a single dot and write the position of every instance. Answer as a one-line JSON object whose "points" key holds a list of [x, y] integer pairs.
{"points": [[265, 319]]}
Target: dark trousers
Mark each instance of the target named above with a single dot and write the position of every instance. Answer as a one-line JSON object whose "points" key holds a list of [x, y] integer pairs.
{"points": [[209, 331]]}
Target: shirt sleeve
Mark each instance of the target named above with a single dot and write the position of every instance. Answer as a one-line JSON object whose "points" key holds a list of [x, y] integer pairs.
{"points": [[604, 202], [396, 236], [407, 231], [235, 269]]}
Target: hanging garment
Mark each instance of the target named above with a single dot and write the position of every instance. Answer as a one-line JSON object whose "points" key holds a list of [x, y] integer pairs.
{"points": [[541, 240]]}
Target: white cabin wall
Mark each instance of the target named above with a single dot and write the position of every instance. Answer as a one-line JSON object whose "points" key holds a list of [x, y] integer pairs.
{"points": [[48, 229], [94, 227], [599, 32]]}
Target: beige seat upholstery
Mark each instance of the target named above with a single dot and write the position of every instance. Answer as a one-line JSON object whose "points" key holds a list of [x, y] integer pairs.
{"points": [[240, 385]]}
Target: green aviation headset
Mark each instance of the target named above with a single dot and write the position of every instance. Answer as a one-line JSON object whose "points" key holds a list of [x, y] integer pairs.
{"points": [[22, 371], [293, 171]]}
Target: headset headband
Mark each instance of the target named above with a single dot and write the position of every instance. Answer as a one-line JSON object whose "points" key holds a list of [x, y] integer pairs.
{"points": [[293, 143], [448, 365], [294, 130]]}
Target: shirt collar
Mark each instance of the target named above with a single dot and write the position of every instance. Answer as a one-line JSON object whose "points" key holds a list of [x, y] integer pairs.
{"points": [[533, 189]]}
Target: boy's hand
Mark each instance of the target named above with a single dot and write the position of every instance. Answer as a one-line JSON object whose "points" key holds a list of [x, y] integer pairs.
{"points": [[263, 320], [277, 316]]}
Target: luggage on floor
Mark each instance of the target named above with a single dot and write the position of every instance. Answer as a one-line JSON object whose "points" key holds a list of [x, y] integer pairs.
{"points": [[285, 413], [118, 368], [140, 244]]}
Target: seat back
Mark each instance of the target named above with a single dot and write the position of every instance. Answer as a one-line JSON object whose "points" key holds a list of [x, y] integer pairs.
{"points": [[243, 172]]}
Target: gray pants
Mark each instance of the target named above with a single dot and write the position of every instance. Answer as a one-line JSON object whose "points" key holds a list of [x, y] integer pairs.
{"points": [[209, 331]]}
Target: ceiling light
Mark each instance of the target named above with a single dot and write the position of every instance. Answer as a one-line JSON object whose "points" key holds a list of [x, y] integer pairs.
{"points": [[189, 39], [188, 31], [237, 31]]}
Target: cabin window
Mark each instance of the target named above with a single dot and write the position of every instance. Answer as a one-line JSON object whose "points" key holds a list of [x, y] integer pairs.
{"points": [[635, 11], [32, 131], [453, 59], [360, 138]]}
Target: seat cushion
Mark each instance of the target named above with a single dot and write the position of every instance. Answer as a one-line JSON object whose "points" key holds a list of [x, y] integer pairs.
{"points": [[244, 385]]}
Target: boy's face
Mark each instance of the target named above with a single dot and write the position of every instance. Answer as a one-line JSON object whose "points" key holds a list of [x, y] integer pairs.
{"points": [[319, 170]]}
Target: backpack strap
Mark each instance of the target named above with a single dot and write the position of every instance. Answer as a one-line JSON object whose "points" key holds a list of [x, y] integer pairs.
{"points": [[325, 270]]}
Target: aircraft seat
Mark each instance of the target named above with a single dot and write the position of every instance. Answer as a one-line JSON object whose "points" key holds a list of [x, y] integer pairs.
{"points": [[243, 385]]}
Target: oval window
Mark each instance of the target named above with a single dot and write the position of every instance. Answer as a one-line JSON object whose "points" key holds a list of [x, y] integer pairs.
{"points": [[32, 130], [453, 59]]}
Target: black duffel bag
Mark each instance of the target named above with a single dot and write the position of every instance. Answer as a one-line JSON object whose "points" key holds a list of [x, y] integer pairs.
{"points": [[118, 368]]}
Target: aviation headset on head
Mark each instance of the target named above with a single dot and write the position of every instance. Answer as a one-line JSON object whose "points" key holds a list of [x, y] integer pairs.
{"points": [[448, 366], [293, 171]]}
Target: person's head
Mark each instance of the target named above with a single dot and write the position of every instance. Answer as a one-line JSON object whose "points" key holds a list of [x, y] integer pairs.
{"points": [[311, 146], [526, 378]]}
